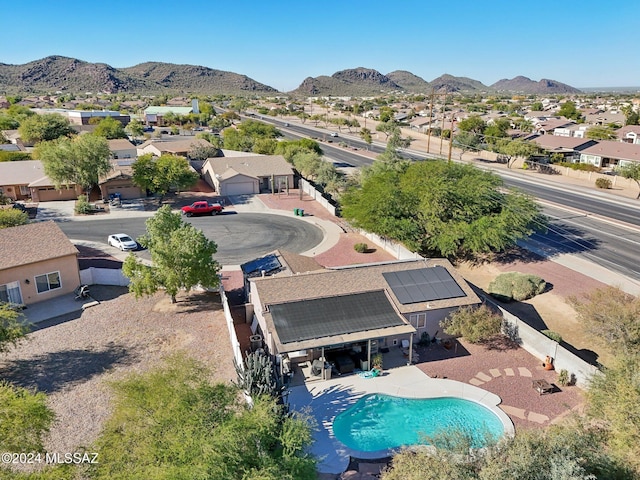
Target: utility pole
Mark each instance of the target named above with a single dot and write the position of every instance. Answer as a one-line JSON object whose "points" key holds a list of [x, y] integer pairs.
{"points": [[430, 117], [451, 138]]}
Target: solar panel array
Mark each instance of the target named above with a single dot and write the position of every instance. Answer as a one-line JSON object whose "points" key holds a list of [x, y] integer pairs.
{"points": [[340, 315], [423, 285], [267, 263]]}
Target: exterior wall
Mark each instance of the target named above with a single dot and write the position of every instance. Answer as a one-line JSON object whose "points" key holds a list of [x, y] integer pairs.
{"points": [[128, 153], [14, 192], [152, 149], [49, 194], [124, 186], [432, 323], [69, 278], [281, 181], [227, 185]]}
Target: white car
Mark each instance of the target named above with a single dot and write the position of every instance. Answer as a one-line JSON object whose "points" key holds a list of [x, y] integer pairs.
{"points": [[334, 134], [122, 241]]}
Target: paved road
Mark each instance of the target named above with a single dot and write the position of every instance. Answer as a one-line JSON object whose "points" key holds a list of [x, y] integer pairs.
{"points": [[240, 236], [601, 242]]}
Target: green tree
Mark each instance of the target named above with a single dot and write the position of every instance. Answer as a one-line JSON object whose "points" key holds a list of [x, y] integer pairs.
{"points": [[443, 209], [474, 324], [8, 123], [81, 160], [388, 128], [633, 118], [568, 110], [171, 423], [24, 419], [601, 133], [110, 128], [135, 128], [202, 152], [12, 327], [611, 314], [537, 106], [12, 217], [473, 124], [613, 401], [467, 141], [632, 171], [511, 150], [159, 175], [45, 127], [181, 255], [365, 134]]}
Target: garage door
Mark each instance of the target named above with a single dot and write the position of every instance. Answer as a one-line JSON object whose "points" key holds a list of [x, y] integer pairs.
{"points": [[125, 192], [238, 188]]}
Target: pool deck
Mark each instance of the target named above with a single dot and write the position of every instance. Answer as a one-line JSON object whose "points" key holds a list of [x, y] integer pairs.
{"points": [[323, 400]]}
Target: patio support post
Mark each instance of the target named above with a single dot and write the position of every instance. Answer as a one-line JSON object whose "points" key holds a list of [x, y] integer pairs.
{"points": [[324, 376], [369, 354], [410, 348]]}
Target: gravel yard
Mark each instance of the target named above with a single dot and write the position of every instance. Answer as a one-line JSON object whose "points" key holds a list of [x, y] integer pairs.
{"points": [[73, 361]]}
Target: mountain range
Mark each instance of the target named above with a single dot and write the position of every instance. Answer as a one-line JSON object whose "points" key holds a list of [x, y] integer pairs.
{"points": [[57, 73]]}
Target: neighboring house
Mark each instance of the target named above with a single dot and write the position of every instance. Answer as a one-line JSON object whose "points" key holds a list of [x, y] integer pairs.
{"points": [[120, 180], [629, 134], [85, 117], [26, 180], [155, 115], [122, 148], [572, 130], [606, 118], [569, 147], [38, 263], [358, 308], [171, 147], [548, 126], [248, 174], [609, 154]]}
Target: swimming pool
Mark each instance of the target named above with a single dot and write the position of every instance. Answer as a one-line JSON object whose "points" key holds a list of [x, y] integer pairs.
{"points": [[381, 422]]}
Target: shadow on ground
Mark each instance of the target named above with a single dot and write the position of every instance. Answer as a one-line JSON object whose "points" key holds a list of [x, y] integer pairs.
{"points": [[51, 372]]}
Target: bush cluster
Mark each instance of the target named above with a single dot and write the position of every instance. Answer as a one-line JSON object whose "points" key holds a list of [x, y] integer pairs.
{"points": [[474, 324], [83, 206], [552, 335], [603, 183], [516, 286], [361, 247], [583, 167]]}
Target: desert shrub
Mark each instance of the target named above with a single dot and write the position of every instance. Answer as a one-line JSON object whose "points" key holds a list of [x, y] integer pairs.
{"points": [[474, 324], [516, 286], [583, 167], [563, 378], [12, 217], [361, 247], [603, 183], [83, 206], [552, 335]]}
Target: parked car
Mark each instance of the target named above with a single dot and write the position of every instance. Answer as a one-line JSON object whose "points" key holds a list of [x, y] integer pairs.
{"points": [[122, 241], [202, 208]]}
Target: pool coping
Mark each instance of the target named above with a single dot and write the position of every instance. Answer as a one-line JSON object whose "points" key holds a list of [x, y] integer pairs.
{"points": [[324, 400]]}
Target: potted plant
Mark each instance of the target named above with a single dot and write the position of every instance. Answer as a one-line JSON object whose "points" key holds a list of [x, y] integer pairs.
{"points": [[376, 361]]}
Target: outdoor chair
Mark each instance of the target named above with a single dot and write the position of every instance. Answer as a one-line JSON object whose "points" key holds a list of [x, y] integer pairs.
{"points": [[316, 367]]}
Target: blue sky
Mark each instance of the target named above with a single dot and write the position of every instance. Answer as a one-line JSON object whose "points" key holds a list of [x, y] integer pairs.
{"points": [[280, 43]]}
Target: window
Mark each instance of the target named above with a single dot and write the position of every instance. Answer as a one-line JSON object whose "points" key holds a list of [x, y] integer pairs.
{"points": [[48, 281], [24, 190], [10, 293], [418, 320]]}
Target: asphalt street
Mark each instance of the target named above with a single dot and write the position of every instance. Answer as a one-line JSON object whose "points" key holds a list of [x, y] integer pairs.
{"points": [[240, 236], [584, 230]]}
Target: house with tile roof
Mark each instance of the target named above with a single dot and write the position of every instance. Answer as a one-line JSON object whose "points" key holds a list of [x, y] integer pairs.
{"points": [[37, 262], [120, 180], [609, 154], [356, 311], [629, 134], [248, 174], [26, 180], [180, 147]]}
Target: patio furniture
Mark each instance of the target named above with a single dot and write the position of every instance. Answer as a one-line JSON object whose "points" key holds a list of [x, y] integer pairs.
{"points": [[316, 367], [344, 364], [542, 386]]}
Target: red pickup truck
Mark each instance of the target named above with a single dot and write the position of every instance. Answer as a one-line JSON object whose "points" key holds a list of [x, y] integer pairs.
{"points": [[202, 208]]}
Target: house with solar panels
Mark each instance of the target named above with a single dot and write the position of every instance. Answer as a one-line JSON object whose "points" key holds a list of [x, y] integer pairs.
{"points": [[346, 315]]}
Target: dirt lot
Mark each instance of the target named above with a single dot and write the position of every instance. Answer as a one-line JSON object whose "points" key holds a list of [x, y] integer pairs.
{"points": [[74, 360]]}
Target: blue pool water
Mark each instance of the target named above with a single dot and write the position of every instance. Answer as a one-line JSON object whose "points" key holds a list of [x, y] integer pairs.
{"points": [[380, 422]]}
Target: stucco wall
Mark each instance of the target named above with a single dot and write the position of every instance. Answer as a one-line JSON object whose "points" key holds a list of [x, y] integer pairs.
{"points": [[69, 278]]}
